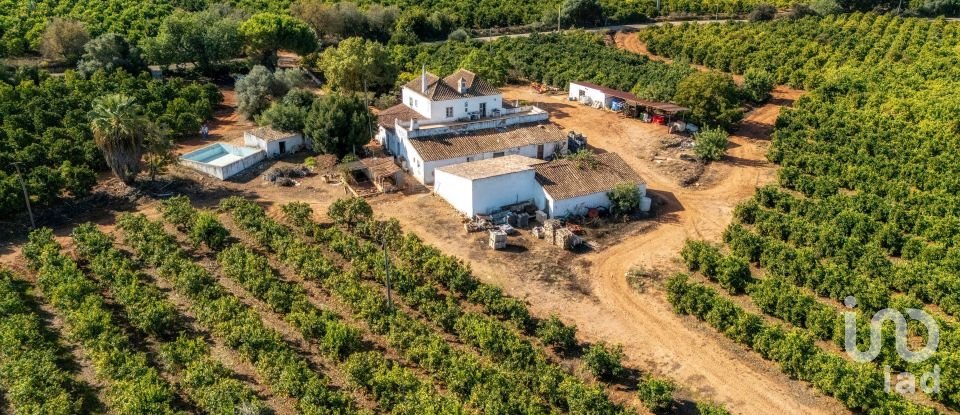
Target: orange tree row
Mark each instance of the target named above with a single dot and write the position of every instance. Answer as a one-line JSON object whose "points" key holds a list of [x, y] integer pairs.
{"points": [[210, 386], [279, 365], [133, 385], [527, 370], [396, 388], [32, 371]]}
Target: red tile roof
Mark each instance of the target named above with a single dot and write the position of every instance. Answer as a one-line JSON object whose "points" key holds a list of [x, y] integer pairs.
{"points": [[400, 112], [564, 179], [486, 141], [448, 88]]}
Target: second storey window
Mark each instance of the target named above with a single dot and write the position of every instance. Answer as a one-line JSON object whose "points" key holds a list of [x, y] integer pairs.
{"points": [[411, 104], [449, 112]]}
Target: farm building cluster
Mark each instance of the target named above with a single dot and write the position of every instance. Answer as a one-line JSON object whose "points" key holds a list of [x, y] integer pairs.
{"points": [[481, 154]]}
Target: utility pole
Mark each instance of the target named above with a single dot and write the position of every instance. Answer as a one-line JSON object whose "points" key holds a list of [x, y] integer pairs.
{"points": [[558, 16], [386, 268], [26, 197]]}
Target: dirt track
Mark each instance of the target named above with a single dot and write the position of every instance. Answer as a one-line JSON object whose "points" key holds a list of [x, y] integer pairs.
{"points": [[655, 339]]}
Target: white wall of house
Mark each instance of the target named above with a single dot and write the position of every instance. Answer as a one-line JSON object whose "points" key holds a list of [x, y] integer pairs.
{"points": [[483, 196], [272, 148], [579, 205], [436, 111], [577, 90], [424, 171]]}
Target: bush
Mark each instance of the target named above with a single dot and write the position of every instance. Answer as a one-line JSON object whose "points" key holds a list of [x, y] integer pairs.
{"points": [[624, 199], [706, 408], [757, 84], [459, 35], [208, 230], [350, 211], [733, 273], [713, 99], [554, 333], [604, 362], [656, 394], [63, 40], [762, 12], [711, 144]]}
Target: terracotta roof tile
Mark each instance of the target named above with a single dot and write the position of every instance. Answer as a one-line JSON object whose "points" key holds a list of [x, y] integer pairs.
{"points": [[564, 179], [270, 134], [485, 141], [448, 88], [401, 112]]}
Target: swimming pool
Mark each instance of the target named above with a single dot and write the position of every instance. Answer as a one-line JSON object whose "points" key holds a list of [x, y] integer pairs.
{"points": [[222, 160]]}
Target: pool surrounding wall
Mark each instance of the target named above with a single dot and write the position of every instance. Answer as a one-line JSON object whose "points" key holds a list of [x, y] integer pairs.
{"points": [[222, 160]]}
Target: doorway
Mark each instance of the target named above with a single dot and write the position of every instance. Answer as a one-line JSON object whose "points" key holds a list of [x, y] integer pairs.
{"points": [[283, 147], [483, 109]]}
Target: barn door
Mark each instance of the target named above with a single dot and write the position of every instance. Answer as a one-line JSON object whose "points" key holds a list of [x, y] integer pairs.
{"points": [[540, 151]]}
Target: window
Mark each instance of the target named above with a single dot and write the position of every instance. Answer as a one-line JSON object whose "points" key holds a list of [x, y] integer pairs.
{"points": [[410, 104], [583, 92], [499, 154], [449, 112], [466, 106]]}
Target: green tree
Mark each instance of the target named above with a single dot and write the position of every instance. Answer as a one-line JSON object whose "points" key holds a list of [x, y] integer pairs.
{"points": [[254, 91], [350, 211], [581, 12], [158, 150], [266, 33], [205, 38], [486, 65], [603, 361], [656, 394], [207, 230], [109, 52], [284, 117], [119, 130], [762, 12], [355, 62], [710, 144], [733, 273], [624, 199], [338, 124], [713, 99], [63, 40], [757, 84]]}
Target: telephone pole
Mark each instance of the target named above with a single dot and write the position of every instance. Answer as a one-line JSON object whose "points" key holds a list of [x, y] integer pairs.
{"points": [[26, 196], [558, 16], [386, 268]]}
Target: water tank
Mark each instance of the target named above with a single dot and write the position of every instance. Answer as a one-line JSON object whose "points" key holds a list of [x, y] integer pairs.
{"points": [[645, 204]]}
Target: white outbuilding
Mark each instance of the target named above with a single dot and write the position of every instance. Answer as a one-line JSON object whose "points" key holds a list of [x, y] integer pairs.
{"points": [[572, 188], [484, 186], [274, 142], [588, 93]]}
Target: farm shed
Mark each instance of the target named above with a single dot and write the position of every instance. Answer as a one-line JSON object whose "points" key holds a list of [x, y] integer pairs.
{"points": [[275, 143], [570, 188], [589, 94], [381, 172], [484, 186]]}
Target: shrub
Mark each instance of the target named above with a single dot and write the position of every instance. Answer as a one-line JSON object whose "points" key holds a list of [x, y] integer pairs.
{"points": [[554, 333], [603, 361], [707, 408], [762, 12], [459, 35], [711, 144], [624, 199], [757, 84], [656, 394], [350, 211], [733, 273], [206, 229]]}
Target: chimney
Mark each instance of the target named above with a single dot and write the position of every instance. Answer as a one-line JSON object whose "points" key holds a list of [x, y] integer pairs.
{"points": [[463, 86], [423, 79]]}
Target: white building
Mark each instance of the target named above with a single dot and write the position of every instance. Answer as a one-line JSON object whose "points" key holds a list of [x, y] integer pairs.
{"points": [[458, 119], [482, 187], [560, 188], [570, 188], [590, 93], [275, 143]]}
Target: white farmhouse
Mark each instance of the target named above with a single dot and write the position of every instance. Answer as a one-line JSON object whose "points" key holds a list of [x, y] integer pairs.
{"points": [[461, 118], [483, 187]]}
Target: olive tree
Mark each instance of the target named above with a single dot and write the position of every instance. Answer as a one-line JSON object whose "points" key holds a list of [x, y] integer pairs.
{"points": [[266, 33], [63, 40]]}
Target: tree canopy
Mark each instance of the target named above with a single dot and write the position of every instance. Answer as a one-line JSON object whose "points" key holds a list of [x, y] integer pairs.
{"points": [[339, 124], [357, 63], [266, 33]]}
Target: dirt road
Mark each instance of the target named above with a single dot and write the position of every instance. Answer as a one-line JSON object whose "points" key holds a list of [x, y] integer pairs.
{"points": [[655, 339]]}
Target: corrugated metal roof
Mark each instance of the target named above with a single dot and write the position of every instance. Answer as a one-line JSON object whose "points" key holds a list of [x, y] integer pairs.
{"points": [[485, 141], [497, 166], [662, 106], [564, 179], [448, 88]]}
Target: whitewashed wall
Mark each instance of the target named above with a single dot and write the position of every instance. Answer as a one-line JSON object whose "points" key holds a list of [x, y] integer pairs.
{"points": [[483, 196], [594, 94]]}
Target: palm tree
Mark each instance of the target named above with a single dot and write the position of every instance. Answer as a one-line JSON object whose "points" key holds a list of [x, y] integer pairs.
{"points": [[119, 129]]}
